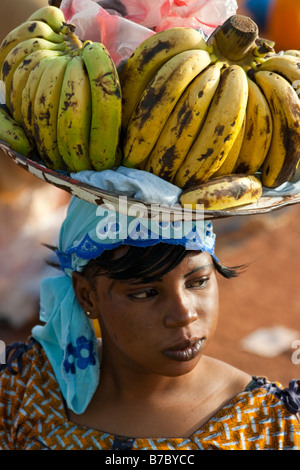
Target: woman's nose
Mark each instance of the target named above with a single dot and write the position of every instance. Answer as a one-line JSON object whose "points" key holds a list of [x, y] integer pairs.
{"points": [[181, 312]]}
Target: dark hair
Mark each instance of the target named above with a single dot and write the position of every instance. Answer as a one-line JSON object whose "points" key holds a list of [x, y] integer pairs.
{"points": [[147, 263]]}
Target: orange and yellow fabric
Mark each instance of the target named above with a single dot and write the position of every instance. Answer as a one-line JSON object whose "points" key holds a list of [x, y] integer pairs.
{"points": [[33, 415]]}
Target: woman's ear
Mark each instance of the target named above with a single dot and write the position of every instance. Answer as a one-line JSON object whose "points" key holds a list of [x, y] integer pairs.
{"points": [[85, 294]]}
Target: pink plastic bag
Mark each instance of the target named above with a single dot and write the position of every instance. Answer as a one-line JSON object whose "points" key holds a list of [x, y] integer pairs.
{"points": [[121, 25]]}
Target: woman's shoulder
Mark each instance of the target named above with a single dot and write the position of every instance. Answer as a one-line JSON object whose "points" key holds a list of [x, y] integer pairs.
{"points": [[245, 387]]}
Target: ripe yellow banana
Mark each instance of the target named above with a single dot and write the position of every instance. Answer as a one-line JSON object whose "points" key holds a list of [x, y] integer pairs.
{"points": [[286, 65], [284, 153], [229, 163], [74, 116], [20, 78], [158, 101], [183, 124], [28, 96], [148, 58], [45, 112], [106, 105], [27, 30], [219, 131], [19, 53], [51, 15], [13, 134], [258, 132], [223, 192]]}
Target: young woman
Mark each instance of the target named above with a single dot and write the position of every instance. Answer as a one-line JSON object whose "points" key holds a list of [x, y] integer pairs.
{"points": [[147, 383]]}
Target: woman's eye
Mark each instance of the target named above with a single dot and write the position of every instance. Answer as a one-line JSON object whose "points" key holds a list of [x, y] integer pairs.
{"points": [[144, 294], [199, 284]]}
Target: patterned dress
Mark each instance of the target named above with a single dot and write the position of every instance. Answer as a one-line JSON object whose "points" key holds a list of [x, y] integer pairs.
{"points": [[33, 415]]}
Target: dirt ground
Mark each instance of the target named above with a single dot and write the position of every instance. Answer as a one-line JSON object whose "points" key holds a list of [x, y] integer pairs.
{"points": [[266, 294]]}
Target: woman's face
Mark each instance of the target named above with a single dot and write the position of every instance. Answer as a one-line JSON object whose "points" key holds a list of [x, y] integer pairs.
{"points": [[159, 327]]}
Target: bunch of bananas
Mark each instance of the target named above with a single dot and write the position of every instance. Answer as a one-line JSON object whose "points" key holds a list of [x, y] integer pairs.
{"points": [[62, 95], [208, 115]]}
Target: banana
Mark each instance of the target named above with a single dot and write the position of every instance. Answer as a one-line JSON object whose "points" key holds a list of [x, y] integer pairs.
{"points": [[258, 132], [52, 16], [286, 65], [157, 102], [183, 124], [27, 30], [106, 105], [223, 192], [219, 131], [19, 53], [28, 96], [148, 58], [20, 78], [13, 134], [284, 153], [74, 116], [229, 163], [45, 111], [293, 52]]}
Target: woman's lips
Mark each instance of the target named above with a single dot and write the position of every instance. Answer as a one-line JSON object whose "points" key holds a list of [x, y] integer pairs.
{"points": [[186, 351]]}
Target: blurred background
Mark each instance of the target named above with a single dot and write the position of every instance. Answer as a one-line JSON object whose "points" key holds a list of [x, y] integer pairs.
{"points": [[263, 302]]}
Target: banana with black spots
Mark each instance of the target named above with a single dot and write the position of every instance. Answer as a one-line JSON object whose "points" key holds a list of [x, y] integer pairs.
{"points": [[52, 16], [223, 192], [13, 134], [45, 112], [20, 78], [74, 116], [183, 124], [258, 132], [229, 163], [106, 104], [148, 58], [28, 96], [19, 53], [293, 52], [219, 131], [157, 103], [286, 65], [284, 153], [27, 30]]}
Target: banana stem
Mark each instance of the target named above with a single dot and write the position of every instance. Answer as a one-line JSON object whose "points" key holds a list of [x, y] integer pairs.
{"points": [[235, 37]]}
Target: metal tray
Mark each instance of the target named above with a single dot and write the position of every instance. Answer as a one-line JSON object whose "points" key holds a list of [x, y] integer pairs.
{"points": [[98, 196]]}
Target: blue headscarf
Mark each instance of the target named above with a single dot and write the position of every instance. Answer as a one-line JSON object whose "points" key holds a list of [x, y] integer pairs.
{"points": [[68, 336]]}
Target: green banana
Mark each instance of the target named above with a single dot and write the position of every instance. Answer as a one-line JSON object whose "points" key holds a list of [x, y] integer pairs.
{"points": [[74, 116], [45, 112], [158, 101], [13, 134], [148, 58], [106, 105]]}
